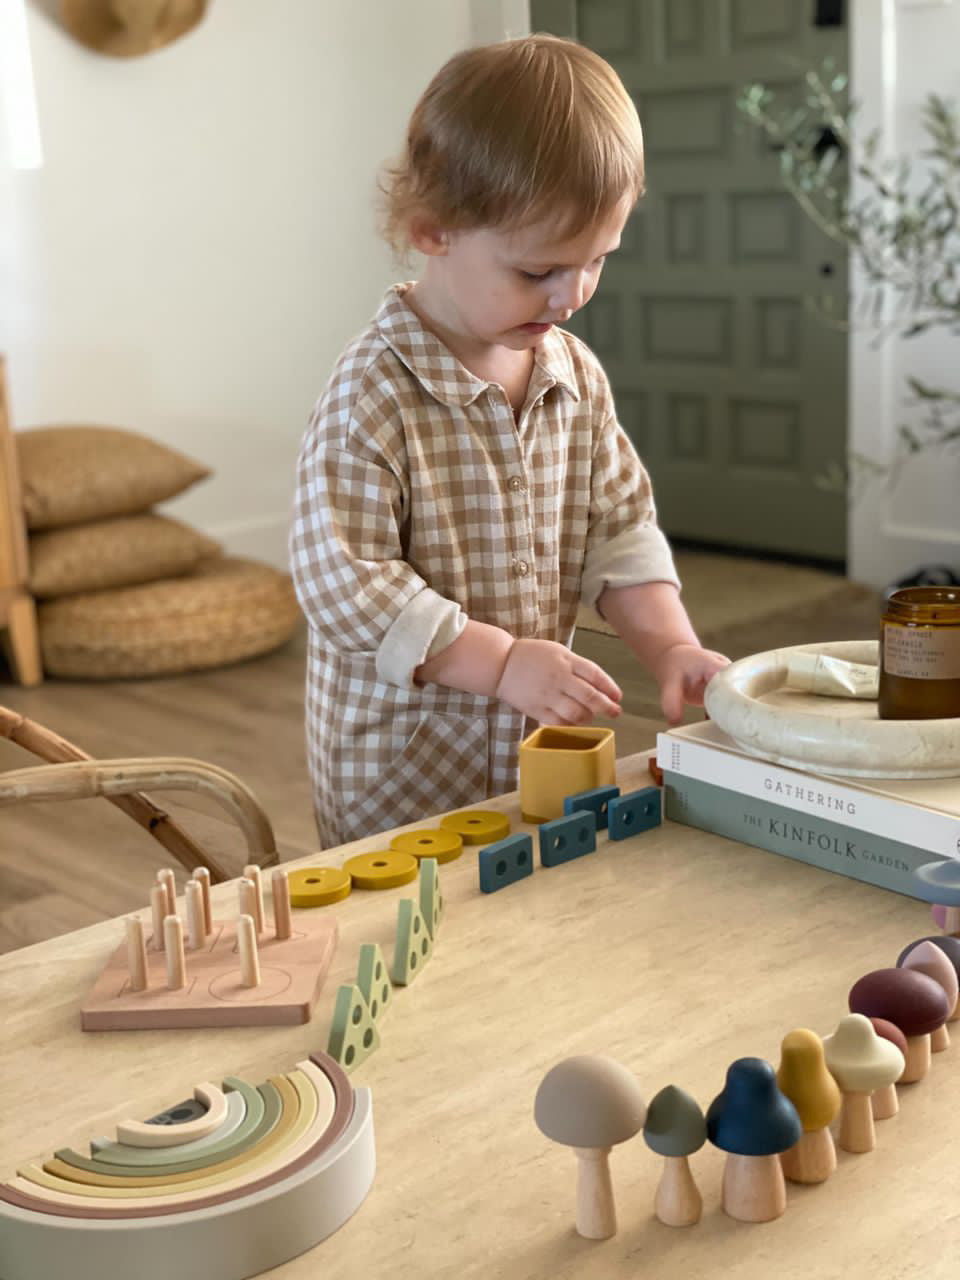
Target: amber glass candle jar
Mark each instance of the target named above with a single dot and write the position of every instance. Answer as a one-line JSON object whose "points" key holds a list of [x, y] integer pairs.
{"points": [[920, 654]]}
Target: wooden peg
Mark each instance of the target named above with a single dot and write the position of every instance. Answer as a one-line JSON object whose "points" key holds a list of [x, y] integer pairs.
{"points": [[252, 872], [281, 903], [136, 954], [166, 878], [176, 962], [249, 959], [247, 898], [202, 877], [158, 906], [195, 917]]}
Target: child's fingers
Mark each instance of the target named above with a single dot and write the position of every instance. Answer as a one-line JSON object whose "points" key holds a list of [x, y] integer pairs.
{"points": [[671, 700], [595, 700], [598, 678]]}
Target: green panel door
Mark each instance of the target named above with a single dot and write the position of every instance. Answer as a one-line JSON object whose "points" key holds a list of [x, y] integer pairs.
{"points": [[732, 389]]}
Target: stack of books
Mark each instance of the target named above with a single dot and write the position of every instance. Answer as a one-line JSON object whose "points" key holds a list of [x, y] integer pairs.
{"points": [[874, 829]]}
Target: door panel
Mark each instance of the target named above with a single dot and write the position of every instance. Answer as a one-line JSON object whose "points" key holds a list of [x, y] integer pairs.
{"points": [[731, 387]]}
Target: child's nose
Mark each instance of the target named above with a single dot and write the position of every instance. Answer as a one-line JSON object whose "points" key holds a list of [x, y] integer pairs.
{"points": [[570, 294]]}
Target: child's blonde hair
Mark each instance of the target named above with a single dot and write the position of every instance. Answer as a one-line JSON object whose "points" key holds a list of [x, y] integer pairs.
{"points": [[513, 133]]}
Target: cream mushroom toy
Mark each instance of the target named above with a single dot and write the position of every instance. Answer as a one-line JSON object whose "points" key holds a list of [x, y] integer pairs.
{"points": [[591, 1103], [860, 1061]]}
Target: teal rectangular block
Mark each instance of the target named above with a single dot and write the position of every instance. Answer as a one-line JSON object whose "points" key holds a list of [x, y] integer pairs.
{"points": [[566, 838], [505, 862], [634, 813], [596, 800]]}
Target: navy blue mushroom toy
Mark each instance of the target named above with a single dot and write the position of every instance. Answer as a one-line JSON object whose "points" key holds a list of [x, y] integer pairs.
{"points": [[753, 1122]]}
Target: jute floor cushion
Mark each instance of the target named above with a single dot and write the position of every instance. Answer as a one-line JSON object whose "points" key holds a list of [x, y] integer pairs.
{"points": [[228, 609], [118, 552]]}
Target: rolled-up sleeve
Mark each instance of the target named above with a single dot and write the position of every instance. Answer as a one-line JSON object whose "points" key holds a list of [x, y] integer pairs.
{"points": [[625, 545]]}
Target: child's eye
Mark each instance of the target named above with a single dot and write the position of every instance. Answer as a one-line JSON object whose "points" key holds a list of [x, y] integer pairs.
{"points": [[535, 275]]}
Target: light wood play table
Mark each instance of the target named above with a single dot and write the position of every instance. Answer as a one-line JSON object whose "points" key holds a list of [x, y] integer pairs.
{"points": [[675, 952]]}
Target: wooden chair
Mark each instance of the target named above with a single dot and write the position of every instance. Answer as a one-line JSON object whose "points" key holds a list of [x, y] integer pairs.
{"points": [[71, 774], [18, 618]]}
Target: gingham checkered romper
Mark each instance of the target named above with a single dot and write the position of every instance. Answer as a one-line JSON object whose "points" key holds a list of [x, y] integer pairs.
{"points": [[423, 501]]}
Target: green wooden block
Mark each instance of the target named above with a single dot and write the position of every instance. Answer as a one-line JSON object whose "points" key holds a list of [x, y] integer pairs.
{"points": [[413, 945], [431, 899], [353, 1033], [374, 980]]}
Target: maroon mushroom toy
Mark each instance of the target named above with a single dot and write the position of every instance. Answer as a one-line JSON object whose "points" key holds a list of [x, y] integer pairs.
{"points": [[911, 1001], [885, 1102]]}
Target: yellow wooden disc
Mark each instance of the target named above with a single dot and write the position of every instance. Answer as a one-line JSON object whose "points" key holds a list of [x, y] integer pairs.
{"points": [[431, 842], [381, 870], [477, 826], [317, 886]]}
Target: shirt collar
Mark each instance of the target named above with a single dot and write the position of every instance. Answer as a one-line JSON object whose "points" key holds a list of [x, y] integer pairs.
{"points": [[438, 370]]}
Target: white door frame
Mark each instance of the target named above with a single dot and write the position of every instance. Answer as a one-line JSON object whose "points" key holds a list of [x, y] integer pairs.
{"points": [[891, 532]]}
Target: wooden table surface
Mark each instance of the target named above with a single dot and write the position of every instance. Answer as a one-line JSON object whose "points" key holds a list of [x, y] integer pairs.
{"points": [[675, 952]]}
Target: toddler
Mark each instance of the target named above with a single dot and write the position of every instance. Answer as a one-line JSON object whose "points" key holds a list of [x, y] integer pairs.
{"points": [[464, 484]]}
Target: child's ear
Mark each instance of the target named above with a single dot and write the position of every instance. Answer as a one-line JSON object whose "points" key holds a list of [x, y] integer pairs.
{"points": [[428, 237]]}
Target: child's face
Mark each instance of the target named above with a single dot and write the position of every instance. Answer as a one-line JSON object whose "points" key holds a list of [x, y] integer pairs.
{"points": [[508, 288]]}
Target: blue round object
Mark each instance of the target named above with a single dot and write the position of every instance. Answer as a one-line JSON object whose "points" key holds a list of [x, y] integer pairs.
{"points": [[751, 1117]]}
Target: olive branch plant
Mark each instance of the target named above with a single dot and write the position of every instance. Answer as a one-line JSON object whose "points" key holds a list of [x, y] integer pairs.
{"points": [[903, 229]]}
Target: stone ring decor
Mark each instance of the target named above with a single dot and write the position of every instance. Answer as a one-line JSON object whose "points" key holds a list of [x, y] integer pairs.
{"points": [[844, 736]]}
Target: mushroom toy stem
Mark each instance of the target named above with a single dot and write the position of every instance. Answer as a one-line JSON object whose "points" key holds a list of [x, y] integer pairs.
{"points": [[678, 1202], [857, 1133], [596, 1210], [812, 1159], [916, 1059], [753, 1188]]}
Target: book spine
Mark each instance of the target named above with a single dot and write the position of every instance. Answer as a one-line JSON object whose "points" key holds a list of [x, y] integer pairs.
{"points": [[816, 797], [819, 841]]}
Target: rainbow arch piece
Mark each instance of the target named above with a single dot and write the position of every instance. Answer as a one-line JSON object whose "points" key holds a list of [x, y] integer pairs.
{"points": [[289, 1162]]}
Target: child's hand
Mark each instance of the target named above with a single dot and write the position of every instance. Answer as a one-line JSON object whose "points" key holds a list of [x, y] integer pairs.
{"points": [[683, 672], [549, 683]]}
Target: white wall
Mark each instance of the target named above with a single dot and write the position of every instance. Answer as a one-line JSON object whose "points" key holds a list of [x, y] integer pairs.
{"points": [[200, 243], [901, 50]]}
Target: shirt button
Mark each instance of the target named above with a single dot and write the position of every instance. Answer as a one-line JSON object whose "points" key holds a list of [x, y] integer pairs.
{"points": [[516, 484], [521, 568]]}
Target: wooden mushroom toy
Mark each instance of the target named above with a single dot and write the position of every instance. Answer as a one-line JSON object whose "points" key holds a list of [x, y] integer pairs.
{"points": [[753, 1122], [911, 1001], [591, 1103], [939, 884], [675, 1127], [860, 1061], [804, 1079], [928, 958], [884, 1102], [951, 949]]}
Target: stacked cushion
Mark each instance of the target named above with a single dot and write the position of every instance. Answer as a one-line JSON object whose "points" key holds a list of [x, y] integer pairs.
{"points": [[123, 591]]}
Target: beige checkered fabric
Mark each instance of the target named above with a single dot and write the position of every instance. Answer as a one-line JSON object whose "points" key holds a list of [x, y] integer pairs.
{"points": [[422, 501]]}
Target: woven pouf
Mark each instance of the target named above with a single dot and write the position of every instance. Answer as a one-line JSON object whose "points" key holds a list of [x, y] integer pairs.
{"points": [[228, 609]]}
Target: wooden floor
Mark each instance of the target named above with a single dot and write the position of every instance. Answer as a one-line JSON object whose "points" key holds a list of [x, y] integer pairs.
{"points": [[64, 865]]}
